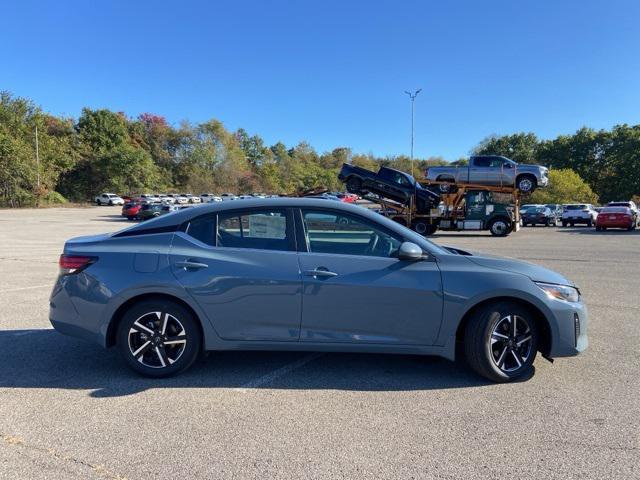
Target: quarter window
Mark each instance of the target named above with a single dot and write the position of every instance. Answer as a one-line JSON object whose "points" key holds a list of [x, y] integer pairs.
{"points": [[338, 233]]}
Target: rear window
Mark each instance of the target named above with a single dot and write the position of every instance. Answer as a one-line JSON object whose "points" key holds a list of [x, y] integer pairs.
{"points": [[615, 210], [575, 207]]}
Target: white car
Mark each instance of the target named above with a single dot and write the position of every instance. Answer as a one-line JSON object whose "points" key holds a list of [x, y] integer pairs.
{"points": [[228, 196], [166, 199], [579, 213], [630, 205], [210, 197], [178, 199], [109, 199], [192, 198], [149, 199]]}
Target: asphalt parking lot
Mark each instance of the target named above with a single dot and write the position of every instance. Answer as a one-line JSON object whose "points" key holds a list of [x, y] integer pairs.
{"points": [[69, 409]]}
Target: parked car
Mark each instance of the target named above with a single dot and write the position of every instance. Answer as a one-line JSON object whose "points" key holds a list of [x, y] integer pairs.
{"points": [[325, 196], [388, 183], [579, 213], [147, 198], [109, 199], [540, 216], [525, 207], [149, 210], [166, 199], [557, 209], [191, 198], [345, 197], [228, 196], [631, 206], [616, 217], [178, 199], [491, 170], [130, 210], [209, 197], [231, 276]]}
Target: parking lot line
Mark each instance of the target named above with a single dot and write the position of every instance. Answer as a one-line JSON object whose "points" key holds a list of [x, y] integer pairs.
{"points": [[10, 290], [279, 372]]}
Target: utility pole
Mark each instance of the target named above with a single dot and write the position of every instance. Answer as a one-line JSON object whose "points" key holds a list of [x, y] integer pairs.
{"points": [[37, 170], [412, 96]]}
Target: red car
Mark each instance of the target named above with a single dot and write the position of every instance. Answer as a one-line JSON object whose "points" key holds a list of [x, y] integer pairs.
{"points": [[347, 197], [615, 217], [130, 210]]}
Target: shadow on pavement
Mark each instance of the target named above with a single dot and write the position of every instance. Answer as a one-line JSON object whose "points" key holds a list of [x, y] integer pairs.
{"points": [[46, 359], [111, 218]]}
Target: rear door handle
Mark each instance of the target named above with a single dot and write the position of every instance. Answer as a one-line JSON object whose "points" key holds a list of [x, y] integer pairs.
{"points": [[187, 265], [319, 273]]}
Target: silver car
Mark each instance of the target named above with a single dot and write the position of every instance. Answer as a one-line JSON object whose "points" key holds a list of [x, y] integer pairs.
{"points": [[491, 170], [307, 275]]}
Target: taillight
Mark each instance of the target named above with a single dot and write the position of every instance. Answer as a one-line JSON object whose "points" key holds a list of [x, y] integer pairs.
{"points": [[70, 264]]}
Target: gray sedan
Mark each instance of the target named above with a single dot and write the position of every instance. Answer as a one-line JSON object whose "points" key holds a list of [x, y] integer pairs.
{"points": [[307, 275]]}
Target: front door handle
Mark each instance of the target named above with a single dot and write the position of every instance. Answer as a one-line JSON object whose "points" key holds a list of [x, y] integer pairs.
{"points": [[187, 265], [318, 272]]}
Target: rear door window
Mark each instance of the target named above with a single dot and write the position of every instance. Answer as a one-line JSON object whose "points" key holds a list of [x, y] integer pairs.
{"points": [[265, 229]]}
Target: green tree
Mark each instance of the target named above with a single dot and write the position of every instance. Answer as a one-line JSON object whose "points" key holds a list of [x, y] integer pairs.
{"points": [[565, 186], [520, 147]]}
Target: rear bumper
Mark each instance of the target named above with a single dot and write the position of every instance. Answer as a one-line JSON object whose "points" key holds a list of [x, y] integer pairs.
{"points": [[577, 219], [65, 317], [615, 224]]}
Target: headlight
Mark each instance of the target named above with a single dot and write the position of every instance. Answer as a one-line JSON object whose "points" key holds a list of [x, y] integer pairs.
{"points": [[560, 292]]}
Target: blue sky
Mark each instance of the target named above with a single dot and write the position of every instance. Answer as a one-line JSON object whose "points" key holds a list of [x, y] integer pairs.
{"points": [[333, 72]]}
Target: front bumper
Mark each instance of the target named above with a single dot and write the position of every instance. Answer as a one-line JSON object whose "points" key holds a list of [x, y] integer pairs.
{"points": [[543, 181], [570, 335]]}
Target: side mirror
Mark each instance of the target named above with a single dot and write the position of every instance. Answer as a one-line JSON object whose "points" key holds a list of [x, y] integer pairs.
{"points": [[409, 251]]}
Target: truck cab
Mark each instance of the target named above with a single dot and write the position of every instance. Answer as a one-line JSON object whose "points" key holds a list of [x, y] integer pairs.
{"points": [[479, 210]]}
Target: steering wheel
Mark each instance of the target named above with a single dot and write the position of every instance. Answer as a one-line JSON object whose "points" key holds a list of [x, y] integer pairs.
{"points": [[373, 243]]}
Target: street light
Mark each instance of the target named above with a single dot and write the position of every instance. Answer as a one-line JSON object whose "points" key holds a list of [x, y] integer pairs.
{"points": [[412, 96]]}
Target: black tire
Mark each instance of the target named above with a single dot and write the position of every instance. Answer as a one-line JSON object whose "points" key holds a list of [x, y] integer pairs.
{"points": [[497, 358], [97, 202], [499, 227], [564, 224], [524, 224], [134, 333], [446, 187], [354, 185], [598, 229], [423, 227], [526, 183], [590, 223], [547, 223], [110, 203]]}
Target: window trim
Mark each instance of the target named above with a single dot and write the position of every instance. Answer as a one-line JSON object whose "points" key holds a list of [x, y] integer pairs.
{"points": [[373, 223]]}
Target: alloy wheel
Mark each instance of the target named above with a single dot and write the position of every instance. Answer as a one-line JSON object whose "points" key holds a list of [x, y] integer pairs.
{"points": [[157, 339], [511, 343], [525, 185]]}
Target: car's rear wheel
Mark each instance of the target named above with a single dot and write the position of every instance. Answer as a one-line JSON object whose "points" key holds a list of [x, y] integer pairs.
{"points": [[501, 341], [526, 183], [158, 338]]}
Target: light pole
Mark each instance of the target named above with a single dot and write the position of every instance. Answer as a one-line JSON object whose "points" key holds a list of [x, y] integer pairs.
{"points": [[412, 96]]}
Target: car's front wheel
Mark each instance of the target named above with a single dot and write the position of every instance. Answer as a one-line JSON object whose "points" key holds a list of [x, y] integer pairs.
{"points": [[158, 338], [501, 341]]}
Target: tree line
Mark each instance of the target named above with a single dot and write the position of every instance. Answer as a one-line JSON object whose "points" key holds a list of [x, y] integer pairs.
{"points": [[104, 150]]}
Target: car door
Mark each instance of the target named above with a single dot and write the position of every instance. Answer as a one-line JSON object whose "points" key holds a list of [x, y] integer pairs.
{"points": [[479, 170], [356, 290], [500, 172], [241, 268]]}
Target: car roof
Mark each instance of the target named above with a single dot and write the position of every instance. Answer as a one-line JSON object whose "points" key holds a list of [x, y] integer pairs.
{"points": [[182, 216]]}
